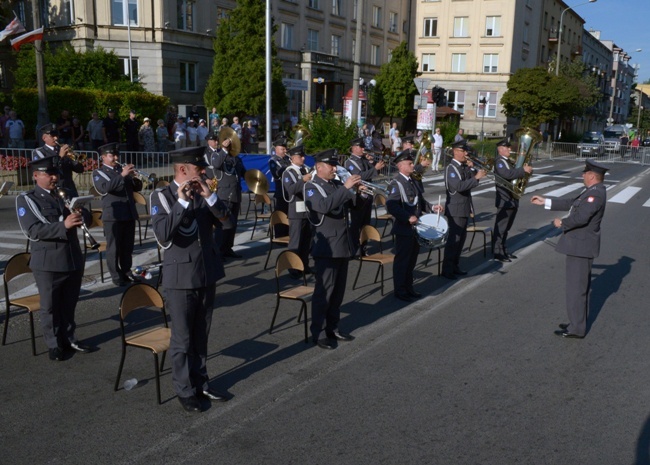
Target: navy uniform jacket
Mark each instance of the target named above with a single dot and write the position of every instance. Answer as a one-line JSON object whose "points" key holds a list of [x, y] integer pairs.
{"points": [[292, 188], [460, 180], [404, 203], [328, 213], [192, 259], [504, 196], [277, 165], [116, 192], [229, 171], [65, 164], [41, 219], [581, 229], [362, 167], [209, 171]]}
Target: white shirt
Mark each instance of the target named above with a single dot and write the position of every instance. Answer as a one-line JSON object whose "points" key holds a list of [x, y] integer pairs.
{"points": [[437, 140]]}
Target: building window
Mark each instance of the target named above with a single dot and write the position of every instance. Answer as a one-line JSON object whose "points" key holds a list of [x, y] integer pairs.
{"points": [[222, 14], [458, 62], [390, 55], [124, 63], [428, 62], [336, 7], [392, 22], [336, 45], [286, 33], [376, 16], [185, 14], [354, 47], [123, 9], [461, 26], [355, 4], [188, 77], [493, 26], [315, 4], [68, 12], [490, 109], [312, 40], [490, 63], [545, 20], [525, 34], [375, 55], [430, 27], [456, 100]]}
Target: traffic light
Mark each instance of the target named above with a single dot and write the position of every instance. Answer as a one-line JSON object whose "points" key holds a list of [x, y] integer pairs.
{"points": [[441, 96]]}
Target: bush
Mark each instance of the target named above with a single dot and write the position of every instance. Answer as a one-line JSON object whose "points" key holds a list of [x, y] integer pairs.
{"points": [[328, 131]]}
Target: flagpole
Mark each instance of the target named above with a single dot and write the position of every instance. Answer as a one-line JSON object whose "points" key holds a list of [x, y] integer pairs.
{"points": [[42, 116]]}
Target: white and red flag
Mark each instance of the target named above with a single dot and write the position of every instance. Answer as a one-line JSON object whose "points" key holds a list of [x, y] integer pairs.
{"points": [[14, 27], [36, 34]]}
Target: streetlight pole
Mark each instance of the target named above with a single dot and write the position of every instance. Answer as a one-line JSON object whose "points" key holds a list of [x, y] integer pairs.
{"points": [[559, 34]]}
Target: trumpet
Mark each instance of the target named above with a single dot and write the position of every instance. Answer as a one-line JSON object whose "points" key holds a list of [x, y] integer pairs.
{"points": [[94, 245], [145, 177], [79, 158], [375, 188]]}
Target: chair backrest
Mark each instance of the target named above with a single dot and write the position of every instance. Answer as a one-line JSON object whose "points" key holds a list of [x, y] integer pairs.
{"points": [[162, 183], [97, 220], [262, 199], [17, 265], [278, 217], [288, 260], [139, 199], [380, 200], [369, 233], [140, 295]]}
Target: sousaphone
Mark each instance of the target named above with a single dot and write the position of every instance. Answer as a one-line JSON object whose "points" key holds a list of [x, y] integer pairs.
{"points": [[235, 143]]}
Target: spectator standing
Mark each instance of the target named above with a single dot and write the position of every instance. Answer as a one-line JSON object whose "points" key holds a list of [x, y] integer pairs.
{"points": [[202, 132], [3, 122], [77, 134], [246, 137], [391, 133], [460, 136], [624, 141], [192, 134], [636, 142], [111, 127], [236, 127], [170, 120], [193, 114], [131, 130], [15, 129], [94, 128], [162, 135], [179, 132], [213, 118], [224, 124], [64, 126], [438, 141], [396, 141], [147, 139]]}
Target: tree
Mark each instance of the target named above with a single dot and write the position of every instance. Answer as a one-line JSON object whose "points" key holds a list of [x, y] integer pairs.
{"points": [[237, 84], [327, 131], [395, 89]]}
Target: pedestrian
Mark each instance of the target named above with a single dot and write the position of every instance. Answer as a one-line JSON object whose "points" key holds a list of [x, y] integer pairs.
{"points": [[64, 127], [460, 136], [111, 127], [580, 242], [459, 182], [505, 201], [202, 132], [162, 135], [94, 128], [146, 136], [56, 259], [77, 134], [15, 129], [438, 142], [131, 131]]}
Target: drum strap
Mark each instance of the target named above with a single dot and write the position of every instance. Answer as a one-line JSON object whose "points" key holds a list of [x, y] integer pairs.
{"points": [[304, 196], [404, 197]]}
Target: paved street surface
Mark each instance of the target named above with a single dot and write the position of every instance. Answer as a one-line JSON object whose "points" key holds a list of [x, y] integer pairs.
{"points": [[470, 374]]}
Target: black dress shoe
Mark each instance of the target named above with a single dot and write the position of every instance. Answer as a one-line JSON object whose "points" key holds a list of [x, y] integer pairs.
{"points": [[190, 404], [460, 272], [403, 296], [213, 395], [120, 282], [231, 254], [79, 347], [501, 258], [565, 333], [513, 256], [327, 344], [449, 276], [563, 325], [338, 336], [56, 354], [414, 293], [309, 271]]}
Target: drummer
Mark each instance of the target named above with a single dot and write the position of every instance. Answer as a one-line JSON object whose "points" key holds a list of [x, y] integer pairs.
{"points": [[406, 203]]}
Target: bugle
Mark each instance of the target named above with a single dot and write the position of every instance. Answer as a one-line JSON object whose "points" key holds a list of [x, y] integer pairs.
{"points": [[375, 189], [79, 158], [94, 245]]}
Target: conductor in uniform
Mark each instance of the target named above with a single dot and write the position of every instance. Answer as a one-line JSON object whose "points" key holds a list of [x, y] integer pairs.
{"points": [[229, 171], [66, 164], [507, 204], [358, 164], [406, 203], [116, 184], [580, 242], [183, 216], [460, 179], [293, 183], [277, 164], [328, 200], [56, 258]]}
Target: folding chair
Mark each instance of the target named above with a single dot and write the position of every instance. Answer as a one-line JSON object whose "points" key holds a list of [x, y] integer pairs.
{"points": [[380, 201], [156, 339], [481, 230], [289, 260], [277, 217], [370, 233], [141, 200], [264, 213], [96, 223]]}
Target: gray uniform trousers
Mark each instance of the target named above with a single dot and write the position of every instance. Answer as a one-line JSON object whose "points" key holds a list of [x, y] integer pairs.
{"points": [[331, 278], [578, 284]]}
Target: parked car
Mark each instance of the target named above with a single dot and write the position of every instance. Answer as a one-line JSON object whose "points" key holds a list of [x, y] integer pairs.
{"points": [[591, 145], [646, 142], [612, 135]]}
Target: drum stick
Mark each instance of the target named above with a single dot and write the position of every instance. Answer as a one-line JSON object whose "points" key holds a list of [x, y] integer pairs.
{"points": [[438, 217]]}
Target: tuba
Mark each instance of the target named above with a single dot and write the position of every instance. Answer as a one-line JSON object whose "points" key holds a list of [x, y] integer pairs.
{"points": [[235, 143], [528, 138], [423, 152], [300, 134]]}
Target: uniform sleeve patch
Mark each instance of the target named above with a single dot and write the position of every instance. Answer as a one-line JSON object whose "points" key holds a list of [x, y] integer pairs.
{"points": [[310, 192], [453, 175], [500, 165], [393, 190], [21, 211], [590, 199], [286, 179], [96, 178], [154, 209], [350, 168]]}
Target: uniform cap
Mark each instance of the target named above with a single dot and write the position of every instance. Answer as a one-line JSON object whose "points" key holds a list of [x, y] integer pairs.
{"points": [[358, 141], [461, 144], [328, 156], [591, 165], [406, 155], [504, 143], [45, 165], [49, 128], [297, 150], [280, 142], [113, 148], [191, 155], [408, 140], [212, 136]]}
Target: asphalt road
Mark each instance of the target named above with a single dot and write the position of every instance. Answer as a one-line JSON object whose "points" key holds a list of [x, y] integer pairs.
{"points": [[470, 374]]}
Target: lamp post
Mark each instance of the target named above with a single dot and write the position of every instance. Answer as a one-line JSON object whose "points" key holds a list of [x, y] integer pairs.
{"points": [[367, 87], [559, 34], [483, 104]]}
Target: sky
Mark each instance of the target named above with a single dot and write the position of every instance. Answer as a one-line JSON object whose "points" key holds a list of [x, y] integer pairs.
{"points": [[626, 22]]}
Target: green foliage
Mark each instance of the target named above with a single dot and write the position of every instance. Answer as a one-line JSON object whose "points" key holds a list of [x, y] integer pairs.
{"points": [[395, 89], [448, 130], [237, 84], [327, 131], [66, 67]]}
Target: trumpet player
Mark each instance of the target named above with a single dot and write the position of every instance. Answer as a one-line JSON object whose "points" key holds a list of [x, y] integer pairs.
{"points": [[65, 161], [56, 259], [506, 203], [359, 165], [460, 179], [116, 184], [422, 166], [277, 164]]}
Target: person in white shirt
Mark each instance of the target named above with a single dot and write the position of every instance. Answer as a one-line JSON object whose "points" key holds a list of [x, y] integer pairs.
{"points": [[192, 134], [202, 132], [15, 129], [437, 149], [180, 133], [396, 141]]}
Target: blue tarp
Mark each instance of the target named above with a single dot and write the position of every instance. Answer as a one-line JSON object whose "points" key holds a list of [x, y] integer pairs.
{"points": [[261, 162]]}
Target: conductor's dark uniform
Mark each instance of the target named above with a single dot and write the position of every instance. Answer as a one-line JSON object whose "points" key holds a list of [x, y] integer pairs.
{"points": [[191, 267], [405, 200]]}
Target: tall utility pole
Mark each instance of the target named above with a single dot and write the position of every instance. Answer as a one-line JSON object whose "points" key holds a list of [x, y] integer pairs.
{"points": [[41, 116], [356, 73]]}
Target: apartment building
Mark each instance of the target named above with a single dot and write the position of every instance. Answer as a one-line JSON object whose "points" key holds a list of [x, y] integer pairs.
{"points": [[597, 58]]}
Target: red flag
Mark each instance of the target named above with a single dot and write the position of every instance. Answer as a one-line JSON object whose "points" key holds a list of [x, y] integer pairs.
{"points": [[36, 34], [14, 27]]}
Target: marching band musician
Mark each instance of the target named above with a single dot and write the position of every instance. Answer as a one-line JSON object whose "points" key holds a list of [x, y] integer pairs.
{"points": [[66, 165], [506, 203], [459, 182], [56, 259], [277, 164], [183, 216], [360, 215], [229, 171], [406, 203], [421, 167], [116, 184], [328, 201], [293, 182]]}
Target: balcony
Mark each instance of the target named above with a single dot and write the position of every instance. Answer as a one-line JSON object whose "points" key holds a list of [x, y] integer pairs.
{"points": [[552, 36]]}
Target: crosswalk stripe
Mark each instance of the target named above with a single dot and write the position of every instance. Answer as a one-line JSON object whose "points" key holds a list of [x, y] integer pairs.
{"points": [[647, 204], [541, 185], [565, 190], [625, 195]]}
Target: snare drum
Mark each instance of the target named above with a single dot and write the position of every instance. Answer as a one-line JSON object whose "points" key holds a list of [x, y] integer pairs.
{"points": [[432, 230]]}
